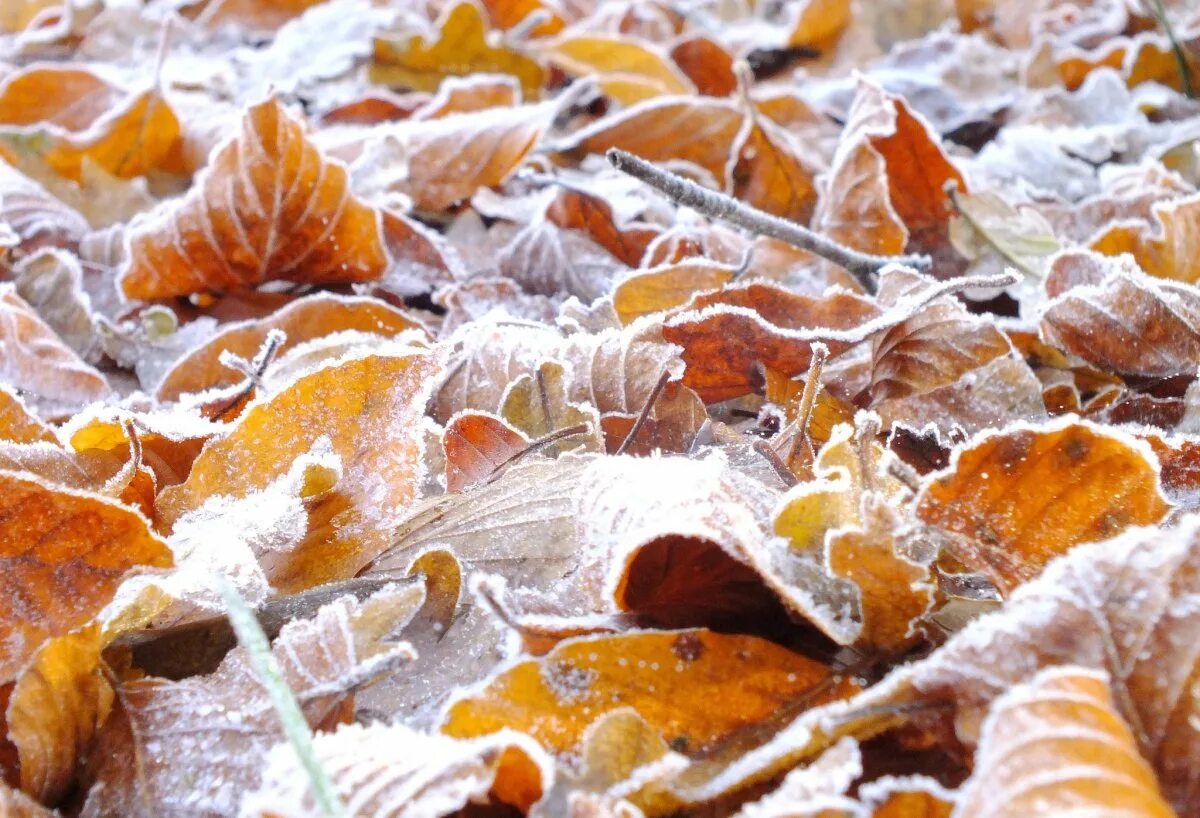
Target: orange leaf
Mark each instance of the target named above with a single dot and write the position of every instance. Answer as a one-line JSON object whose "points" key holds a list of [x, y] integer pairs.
{"points": [[302, 320], [461, 48], [771, 176], [64, 552], [626, 70], [663, 288], [87, 117], [670, 678], [698, 130], [39, 366], [1057, 744], [17, 423], [706, 64], [353, 406], [1020, 498], [1170, 250], [59, 701], [267, 207]]}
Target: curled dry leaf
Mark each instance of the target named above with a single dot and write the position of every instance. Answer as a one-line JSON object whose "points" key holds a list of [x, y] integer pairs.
{"points": [[65, 552], [666, 287], [1020, 498], [1114, 316], [302, 320], [1057, 742], [1164, 250], [411, 773], [437, 163], [59, 701], [38, 365], [268, 206], [350, 406], [886, 142], [201, 740]]}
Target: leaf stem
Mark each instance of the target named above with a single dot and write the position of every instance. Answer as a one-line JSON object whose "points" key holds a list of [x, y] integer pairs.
{"points": [[864, 267], [645, 413], [295, 726]]}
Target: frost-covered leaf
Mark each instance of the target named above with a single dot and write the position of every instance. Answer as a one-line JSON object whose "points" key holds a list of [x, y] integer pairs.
{"points": [[268, 206]]}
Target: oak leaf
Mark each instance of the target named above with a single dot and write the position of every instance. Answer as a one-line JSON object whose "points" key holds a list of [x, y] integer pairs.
{"points": [[267, 207]]}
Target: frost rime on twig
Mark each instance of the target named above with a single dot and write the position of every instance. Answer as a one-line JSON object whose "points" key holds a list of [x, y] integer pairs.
{"points": [[864, 267]]}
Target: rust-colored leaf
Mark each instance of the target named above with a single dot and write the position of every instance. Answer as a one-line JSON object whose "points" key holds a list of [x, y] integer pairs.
{"points": [[476, 445], [267, 207]]}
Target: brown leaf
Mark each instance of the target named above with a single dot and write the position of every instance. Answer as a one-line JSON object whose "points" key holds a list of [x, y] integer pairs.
{"points": [[885, 141], [348, 407], [624, 69], [268, 206], [1021, 497], [706, 64], [1056, 743], [770, 175], [933, 348], [302, 320], [461, 48], [1112, 315], [168, 744], [577, 210], [38, 365], [64, 554]]}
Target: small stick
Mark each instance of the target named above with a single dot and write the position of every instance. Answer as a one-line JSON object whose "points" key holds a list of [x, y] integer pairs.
{"points": [[254, 369], [540, 443], [645, 413], [808, 399], [780, 468], [864, 267]]}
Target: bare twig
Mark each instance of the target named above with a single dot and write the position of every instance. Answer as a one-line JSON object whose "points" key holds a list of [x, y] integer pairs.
{"points": [[254, 369], [645, 413], [780, 468], [798, 429], [864, 267], [540, 443]]}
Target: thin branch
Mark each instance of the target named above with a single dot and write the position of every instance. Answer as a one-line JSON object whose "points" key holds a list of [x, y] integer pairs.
{"points": [[864, 267], [540, 443], [645, 413], [780, 468], [253, 370], [808, 398]]}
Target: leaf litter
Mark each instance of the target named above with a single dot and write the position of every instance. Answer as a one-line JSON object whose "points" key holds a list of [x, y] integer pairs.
{"points": [[604, 409]]}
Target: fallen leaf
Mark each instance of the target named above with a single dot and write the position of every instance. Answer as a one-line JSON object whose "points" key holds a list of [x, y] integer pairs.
{"points": [[65, 553], [476, 445], [17, 423], [626, 70], [302, 320], [38, 365], [1164, 249], [706, 64], [408, 771], [352, 405], [1020, 498], [1111, 314], [156, 748], [1058, 742], [229, 231], [666, 287], [461, 48]]}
